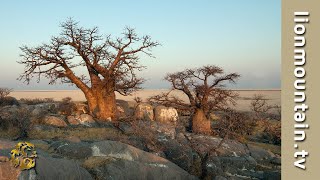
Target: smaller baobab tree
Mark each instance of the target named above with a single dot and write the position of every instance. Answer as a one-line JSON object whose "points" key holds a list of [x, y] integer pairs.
{"points": [[205, 89], [108, 64]]}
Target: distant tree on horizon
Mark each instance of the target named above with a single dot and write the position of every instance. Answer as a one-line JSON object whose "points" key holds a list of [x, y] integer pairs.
{"points": [[205, 89], [110, 64]]}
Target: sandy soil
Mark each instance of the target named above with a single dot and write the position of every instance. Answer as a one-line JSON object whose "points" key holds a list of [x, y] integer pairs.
{"points": [[243, 103]]}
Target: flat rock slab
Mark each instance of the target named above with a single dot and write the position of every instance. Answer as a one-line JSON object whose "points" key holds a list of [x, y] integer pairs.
{"points": [[133, 163], [124, 169], [53, 168], [72, 150]]}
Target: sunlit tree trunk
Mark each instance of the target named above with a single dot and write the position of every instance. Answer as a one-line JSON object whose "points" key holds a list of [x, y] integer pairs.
{"points": [[200, 123], [102, 101]]}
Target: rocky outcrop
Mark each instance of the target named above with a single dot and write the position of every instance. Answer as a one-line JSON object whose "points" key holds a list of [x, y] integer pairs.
{"points": [[205, 144], [144, 112], [46, 167], [55, 168], [115, 160], [43, 109], [166, 114], [260, 154], [128, 162], [178, 154]]}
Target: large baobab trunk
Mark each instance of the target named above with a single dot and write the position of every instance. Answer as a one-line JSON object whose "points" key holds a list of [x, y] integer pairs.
{"points": [[200, 123], [102, 103]]}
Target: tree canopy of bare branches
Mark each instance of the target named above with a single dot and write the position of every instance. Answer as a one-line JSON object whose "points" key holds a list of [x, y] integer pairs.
{"points": [[110, 63], [206, 90]]}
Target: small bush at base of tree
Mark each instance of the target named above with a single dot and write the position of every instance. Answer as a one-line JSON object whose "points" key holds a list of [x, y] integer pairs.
{"points": [[234, 125], [66, 106]]}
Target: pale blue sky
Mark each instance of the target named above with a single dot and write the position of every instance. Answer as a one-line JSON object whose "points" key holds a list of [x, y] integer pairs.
{"points": [[240, 36]]}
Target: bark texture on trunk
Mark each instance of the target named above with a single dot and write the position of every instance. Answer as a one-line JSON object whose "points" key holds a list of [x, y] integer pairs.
{"points": [[102, 103], [200, 123]]}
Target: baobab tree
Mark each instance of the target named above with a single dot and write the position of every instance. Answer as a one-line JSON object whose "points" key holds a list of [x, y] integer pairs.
{"points": [[110, 64], [205, 89]]}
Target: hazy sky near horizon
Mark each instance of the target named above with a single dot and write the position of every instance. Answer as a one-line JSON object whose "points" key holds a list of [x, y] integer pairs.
{"points": [[239, 36]]}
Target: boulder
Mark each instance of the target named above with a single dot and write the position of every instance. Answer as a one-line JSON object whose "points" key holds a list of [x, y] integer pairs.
{"points": [[43, 109], [86, 119], [72, 120], [168, 130], [144, 112], [232, 166], [166, 114], [82, 108], [260, 154], [37, 112], [9, 112], [182, 155], [72, 150], [54, 121], [40, 111], [203, 144], [54, 168]]}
